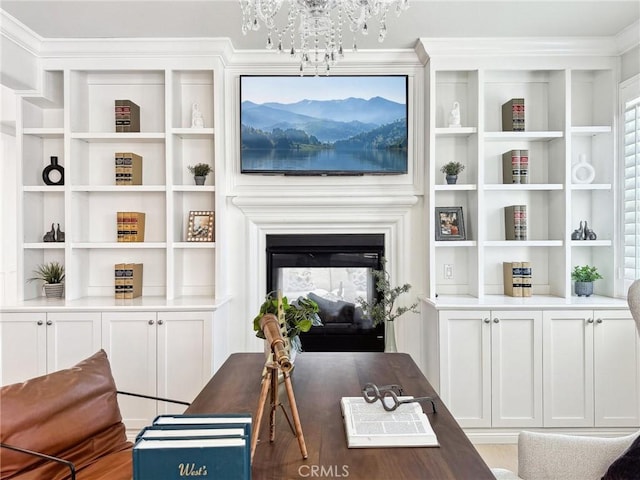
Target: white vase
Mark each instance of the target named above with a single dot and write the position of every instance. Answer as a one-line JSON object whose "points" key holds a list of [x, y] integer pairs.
{"points": [[390, 337]]}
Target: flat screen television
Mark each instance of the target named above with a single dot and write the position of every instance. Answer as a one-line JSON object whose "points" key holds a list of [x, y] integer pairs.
{"points": [[334, 125]]}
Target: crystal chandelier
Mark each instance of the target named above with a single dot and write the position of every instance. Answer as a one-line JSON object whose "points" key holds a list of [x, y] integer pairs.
{"points": [[320, 35]]}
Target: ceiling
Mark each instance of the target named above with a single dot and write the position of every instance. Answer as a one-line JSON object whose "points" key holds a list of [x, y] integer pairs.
{"points": [[425, 18]]}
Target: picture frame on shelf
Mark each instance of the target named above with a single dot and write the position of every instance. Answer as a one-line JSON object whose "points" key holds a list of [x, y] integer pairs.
{"points": [[200, 227], [450, 224]]}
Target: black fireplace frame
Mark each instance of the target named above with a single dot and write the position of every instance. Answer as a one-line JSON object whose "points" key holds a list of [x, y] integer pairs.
{"points": [[329, 250]]}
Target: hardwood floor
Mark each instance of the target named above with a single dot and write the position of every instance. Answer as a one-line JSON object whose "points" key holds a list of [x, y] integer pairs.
{"points": [[499, 456]]}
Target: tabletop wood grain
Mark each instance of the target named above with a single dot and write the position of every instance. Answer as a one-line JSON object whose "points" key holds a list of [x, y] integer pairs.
{"points": [[319, 381]]}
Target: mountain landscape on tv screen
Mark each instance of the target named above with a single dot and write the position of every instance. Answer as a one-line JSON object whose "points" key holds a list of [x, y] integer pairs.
{"points": [[352, 123]]}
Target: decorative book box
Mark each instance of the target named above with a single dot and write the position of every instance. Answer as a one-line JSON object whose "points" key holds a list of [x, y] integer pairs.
{"points": [[128, 280], [515, 222], [127, 116], [515, 166], [128, 168], [513, 115], [130, 226], [517, 279]]}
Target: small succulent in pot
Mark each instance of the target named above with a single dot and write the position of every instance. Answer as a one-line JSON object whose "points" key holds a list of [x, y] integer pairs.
{"points": [[200, 172], [451, 170], [52, 274], [584, 276]]}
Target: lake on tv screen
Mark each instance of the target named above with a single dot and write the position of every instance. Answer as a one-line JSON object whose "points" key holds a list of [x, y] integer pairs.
{"points": [[326, 160]]}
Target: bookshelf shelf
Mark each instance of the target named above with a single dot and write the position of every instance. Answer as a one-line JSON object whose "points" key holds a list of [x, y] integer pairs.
{"points": [[118, 137], [522, 136], [507, 187], [456, 132], [44, 132]]}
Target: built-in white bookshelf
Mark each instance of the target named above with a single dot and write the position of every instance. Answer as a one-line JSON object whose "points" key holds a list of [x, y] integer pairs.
{"points": [[73, 119], [569, 112]]}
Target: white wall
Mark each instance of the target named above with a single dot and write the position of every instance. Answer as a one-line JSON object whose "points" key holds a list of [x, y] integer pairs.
{"points": [[630, 64], [8, 225]]}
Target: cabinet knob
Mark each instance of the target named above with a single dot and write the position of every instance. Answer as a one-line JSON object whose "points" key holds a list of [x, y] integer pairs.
{"points": [[589, 320], [486, 320], [160, 322], [599, 320], [496, 320], [40, 322], [49, 322], [151, 322]]}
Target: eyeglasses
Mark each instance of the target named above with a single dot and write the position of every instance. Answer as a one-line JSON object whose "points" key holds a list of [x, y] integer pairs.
{"points": [[388, 396]]}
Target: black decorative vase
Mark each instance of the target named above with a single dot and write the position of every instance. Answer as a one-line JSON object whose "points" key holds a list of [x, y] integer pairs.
{"points": [[54, 169], [451, 179]]}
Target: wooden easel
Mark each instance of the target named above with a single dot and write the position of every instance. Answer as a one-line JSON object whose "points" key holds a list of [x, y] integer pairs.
{"points": [[277, 362]]}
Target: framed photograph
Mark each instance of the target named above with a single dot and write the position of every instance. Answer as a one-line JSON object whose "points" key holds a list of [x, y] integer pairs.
{"points": [[321, 125], [200, 226], [450, 224]]}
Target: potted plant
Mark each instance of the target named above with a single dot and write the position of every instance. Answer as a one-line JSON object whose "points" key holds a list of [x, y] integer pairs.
{"points": [[584, 276], [300, 315], [384, 310], [451, 170], [200, 172], [52, 274]]}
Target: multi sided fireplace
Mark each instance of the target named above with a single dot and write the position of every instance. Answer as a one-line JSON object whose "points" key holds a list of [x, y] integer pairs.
{"points": [[334, 270]]}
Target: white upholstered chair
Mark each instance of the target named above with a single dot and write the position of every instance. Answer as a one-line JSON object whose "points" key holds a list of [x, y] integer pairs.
{"points": [[545, 456]]}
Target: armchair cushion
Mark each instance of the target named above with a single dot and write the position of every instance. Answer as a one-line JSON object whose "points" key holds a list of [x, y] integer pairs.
{"points": [[627, 465], [71, 413], [542, 456]]}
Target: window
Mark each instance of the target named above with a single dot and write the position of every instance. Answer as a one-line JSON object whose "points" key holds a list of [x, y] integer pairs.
{"points": [[630, 100]]}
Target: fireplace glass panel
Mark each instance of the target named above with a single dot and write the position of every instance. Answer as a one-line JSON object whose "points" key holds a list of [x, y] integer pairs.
{"points": [[336, 290]]}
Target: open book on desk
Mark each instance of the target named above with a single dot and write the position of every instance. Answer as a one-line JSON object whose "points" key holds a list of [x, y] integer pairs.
{"points": [[370, 425]]}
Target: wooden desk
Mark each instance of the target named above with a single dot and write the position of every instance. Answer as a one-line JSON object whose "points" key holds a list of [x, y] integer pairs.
{"points": [[319, 381]]}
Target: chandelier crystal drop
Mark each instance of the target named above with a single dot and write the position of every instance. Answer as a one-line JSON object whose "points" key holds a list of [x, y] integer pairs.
{"points": [[318, 28]]}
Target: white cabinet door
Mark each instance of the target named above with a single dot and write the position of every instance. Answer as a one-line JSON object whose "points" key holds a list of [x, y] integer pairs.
{"points": [[465, 369], [129, 338], [184, 356], [23, 346], [516, 368], [616, 371], [568, 368], [71, 337]]}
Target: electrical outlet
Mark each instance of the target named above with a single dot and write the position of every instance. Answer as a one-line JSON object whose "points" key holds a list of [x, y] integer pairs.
{"points": [[448, 271]]}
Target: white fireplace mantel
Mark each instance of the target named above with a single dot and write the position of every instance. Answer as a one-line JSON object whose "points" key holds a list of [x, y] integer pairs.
{"points": [[386, 215]]}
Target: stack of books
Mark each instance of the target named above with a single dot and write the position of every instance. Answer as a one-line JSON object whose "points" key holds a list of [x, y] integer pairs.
{"points": [[513, 115], [128, 168], [515, 222], [515, 166], [128, 280], [127, 116], [194, 446], [517, 279], [130, 226]]}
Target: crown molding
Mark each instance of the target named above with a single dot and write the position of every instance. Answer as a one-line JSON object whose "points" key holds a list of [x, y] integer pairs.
{"points": [[136, 47], [629, 37], [521, 46], [362, 60], [17, 32]]}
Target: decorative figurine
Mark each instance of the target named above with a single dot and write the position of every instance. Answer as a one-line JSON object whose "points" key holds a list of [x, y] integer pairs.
{"points": [[50, 236], [196, 117], [578, 234], [454, 116], [588, 233], [59, 234], [56, 170], [582, 172]]}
